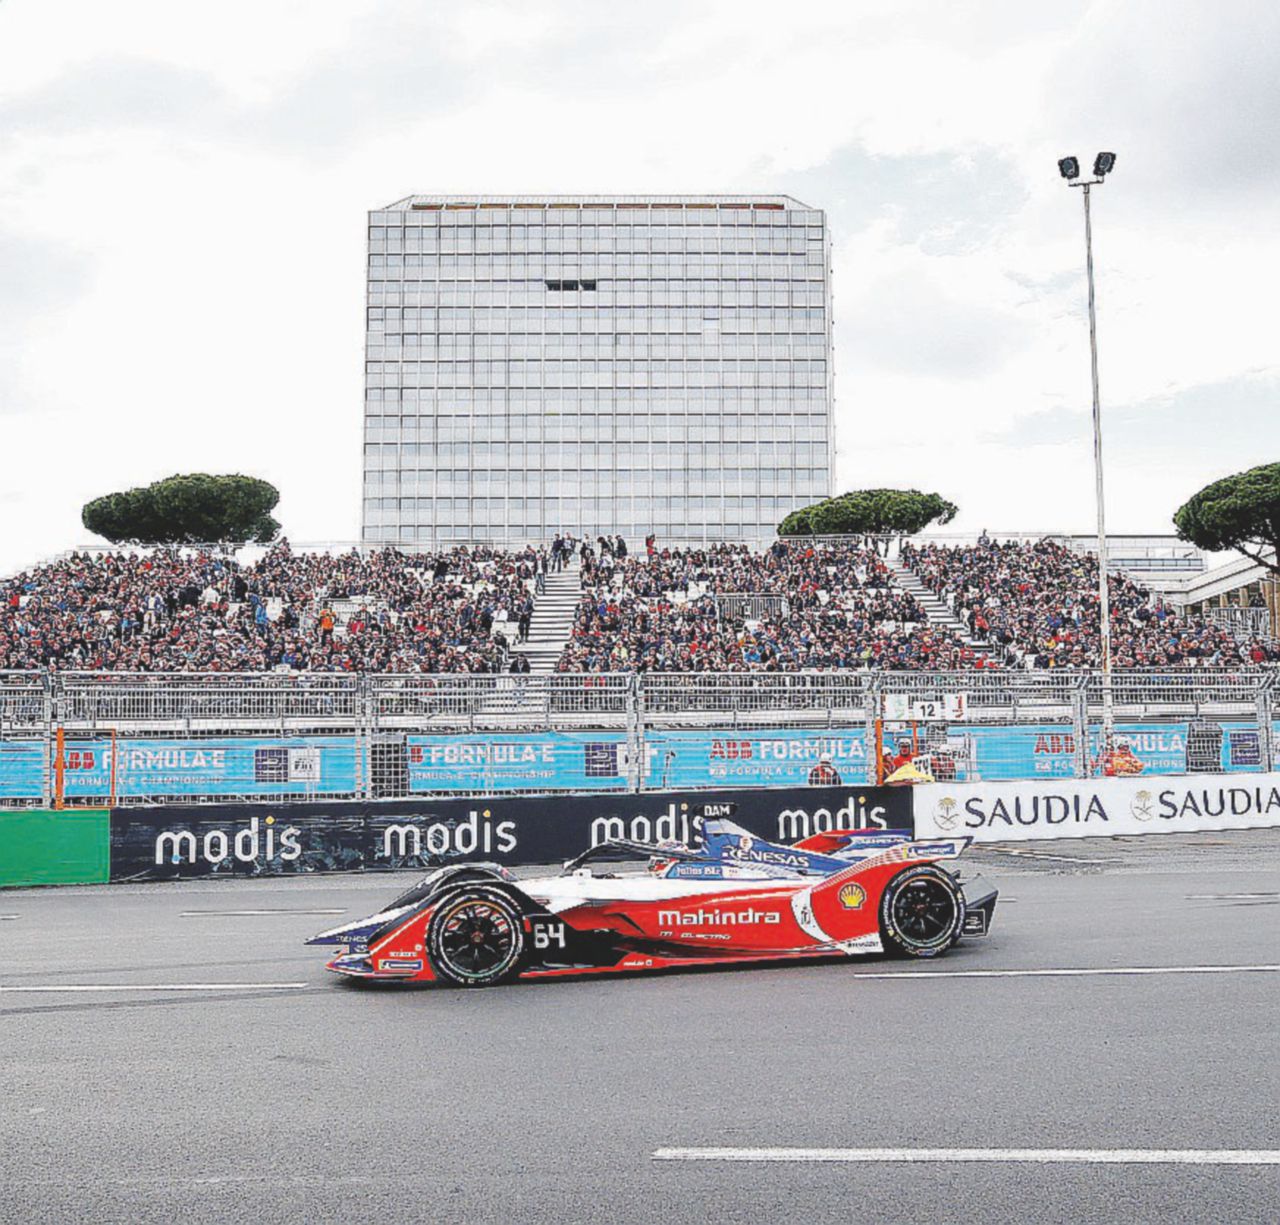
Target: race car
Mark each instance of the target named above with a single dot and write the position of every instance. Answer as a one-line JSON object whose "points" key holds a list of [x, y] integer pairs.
{"points": [[729, 898]]}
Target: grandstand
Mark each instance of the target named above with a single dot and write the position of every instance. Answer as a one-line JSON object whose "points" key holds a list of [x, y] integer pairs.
{"points": [[1036, 604], [201, 610], [811, 605]]}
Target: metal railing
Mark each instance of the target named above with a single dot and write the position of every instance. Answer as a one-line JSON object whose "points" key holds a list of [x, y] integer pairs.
{"points": [[750, 605], [269, 732], [1249, 622]]}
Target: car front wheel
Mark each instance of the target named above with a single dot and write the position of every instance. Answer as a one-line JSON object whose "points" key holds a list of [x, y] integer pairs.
{"points": [[476, 938]]}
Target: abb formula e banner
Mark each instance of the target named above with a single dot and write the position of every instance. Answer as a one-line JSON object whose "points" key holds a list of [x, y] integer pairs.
{"points": [[798, 757], [999, 812], [166, 841], [94, 768], [598, 761]]}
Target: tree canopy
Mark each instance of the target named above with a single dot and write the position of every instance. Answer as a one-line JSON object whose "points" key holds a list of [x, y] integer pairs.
{"points": [[869, 511], [1240, 512], [193, 509]]}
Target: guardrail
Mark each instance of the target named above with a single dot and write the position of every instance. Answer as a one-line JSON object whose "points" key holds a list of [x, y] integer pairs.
{"points": [[1253, 622], [108, 738]]}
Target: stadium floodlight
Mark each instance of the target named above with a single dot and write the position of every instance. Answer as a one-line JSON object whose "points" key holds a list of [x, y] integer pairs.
{"points": [[1070, 169]]}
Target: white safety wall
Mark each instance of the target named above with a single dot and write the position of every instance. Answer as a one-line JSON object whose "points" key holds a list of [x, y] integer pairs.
{"points": [[1069, 808]]}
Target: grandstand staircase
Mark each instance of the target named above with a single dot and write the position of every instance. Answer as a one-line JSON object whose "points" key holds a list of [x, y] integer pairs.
{"points": [[552, 623], [937, 610]]}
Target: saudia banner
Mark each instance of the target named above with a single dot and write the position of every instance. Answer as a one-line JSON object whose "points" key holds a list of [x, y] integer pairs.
{"points": [[997, 812], [225, 839]]}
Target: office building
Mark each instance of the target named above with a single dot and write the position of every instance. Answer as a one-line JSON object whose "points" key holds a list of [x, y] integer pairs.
{"points": [[616, 364]]}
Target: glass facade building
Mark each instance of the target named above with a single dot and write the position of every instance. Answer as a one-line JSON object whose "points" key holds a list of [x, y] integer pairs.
{"points": [[617, 364]]}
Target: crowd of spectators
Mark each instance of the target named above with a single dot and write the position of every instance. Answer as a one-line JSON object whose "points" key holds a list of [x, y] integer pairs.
{"points": [[178, 610], [1036, 605], [721, 608], [806, 606]]}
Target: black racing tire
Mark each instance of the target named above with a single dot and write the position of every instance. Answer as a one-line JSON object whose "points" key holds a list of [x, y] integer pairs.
{"points": [[921, 912], [476, 938]]}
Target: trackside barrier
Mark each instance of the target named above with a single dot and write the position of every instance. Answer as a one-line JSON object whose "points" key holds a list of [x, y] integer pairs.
{"points": [[1025, 811], [38, 847], [167, 842], [101, 739]]}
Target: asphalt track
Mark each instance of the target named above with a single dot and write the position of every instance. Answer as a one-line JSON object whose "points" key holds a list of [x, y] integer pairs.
{"points": [[166, 1095]]}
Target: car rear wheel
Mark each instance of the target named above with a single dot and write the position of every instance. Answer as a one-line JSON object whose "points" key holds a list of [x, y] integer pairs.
{"points": [[476, 938], [921, 912]]}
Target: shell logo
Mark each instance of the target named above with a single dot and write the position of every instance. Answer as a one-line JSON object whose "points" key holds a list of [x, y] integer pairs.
{"points": [[852, 896]]}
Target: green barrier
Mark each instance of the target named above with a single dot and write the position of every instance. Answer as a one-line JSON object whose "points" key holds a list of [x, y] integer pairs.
{"points": [[38, 847]]}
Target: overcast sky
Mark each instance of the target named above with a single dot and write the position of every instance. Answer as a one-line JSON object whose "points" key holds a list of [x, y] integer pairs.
{"points": [[182, 223]]}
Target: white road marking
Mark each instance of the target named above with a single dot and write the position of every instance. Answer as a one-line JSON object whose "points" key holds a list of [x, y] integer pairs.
{"points": [[1007, 850], [1072, 972], [1042, 1156], [202, 914], [3, 917], [85, 987], [1212, 897]]}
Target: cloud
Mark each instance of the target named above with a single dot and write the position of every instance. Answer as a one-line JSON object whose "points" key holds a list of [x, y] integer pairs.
{"points": [[909, 322], [1236, 416], [1185, 92], [396, 71], [41, 278], [946, 203], [182, 199], [112, 93]]}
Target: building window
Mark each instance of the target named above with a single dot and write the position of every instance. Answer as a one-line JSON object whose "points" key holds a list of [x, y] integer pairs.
{"points": [[563, 286]]}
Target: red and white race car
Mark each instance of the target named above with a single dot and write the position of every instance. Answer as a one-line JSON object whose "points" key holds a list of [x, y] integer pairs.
{"points": [[732, 898]]}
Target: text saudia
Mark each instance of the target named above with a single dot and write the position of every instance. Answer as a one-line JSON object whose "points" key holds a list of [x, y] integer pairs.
{"points": [[1169, 804]]}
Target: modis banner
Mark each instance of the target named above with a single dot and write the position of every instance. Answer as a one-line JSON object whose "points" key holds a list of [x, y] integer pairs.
{"points": [[998, 812], [167, 841]]}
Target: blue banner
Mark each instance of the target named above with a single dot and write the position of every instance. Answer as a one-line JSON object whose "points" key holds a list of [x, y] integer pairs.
{"points": [[534, 761], [599, 761], [974, 752], [775, 757], [21, 769], [302, 765]]}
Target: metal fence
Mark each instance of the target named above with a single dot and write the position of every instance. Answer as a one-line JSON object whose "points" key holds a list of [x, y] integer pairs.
{"points": [[1243, 622], [116, 738]]}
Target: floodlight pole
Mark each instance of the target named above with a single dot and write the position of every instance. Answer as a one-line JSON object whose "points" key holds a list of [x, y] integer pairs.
{"points": [[1104, 594]]}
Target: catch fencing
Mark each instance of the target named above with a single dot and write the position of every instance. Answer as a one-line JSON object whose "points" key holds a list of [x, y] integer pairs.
{"points": [[86, 739]]}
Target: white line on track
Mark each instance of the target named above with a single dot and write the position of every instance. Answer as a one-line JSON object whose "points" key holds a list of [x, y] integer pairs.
{"points": [[93, 987], [3, 917], [1072, 972], [1207, 897], [204, 914], [1044, 1156], [1008, 850]]}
